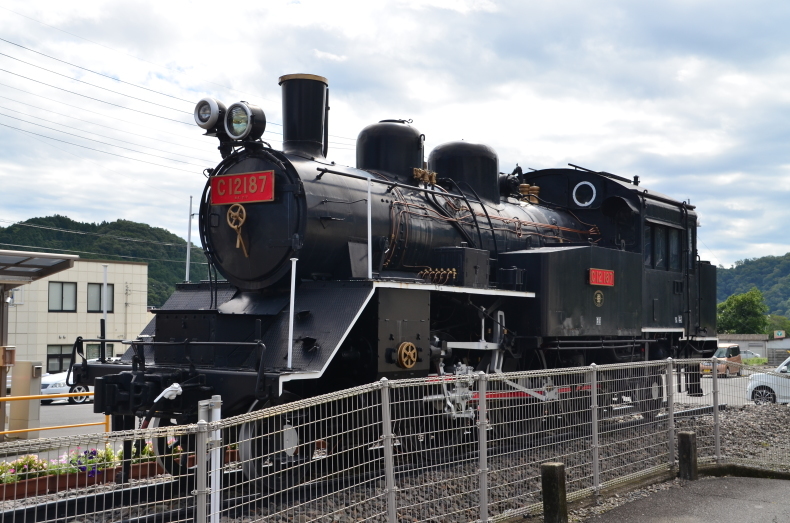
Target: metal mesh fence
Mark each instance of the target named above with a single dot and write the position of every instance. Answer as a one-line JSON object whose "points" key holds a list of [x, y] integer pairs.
{"points": [[108, 476], [452, 448]]}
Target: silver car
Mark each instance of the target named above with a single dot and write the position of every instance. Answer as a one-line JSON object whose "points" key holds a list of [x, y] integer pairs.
{"points": [[770, 388], [56, 384]]}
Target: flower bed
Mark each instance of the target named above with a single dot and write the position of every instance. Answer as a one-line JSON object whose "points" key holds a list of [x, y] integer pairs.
{"points": [[30, 476]]}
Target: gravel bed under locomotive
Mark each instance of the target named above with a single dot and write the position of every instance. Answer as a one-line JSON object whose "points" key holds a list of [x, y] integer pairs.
{"points": [[406, 269]]}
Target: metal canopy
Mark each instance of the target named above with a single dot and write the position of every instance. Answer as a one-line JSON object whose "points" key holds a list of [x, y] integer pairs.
{"points": [[21, 267]]}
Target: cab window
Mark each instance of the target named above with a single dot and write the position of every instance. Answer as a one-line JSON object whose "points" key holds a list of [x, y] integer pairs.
{"points": [[663, 247], [660, 247], [674, 250]]}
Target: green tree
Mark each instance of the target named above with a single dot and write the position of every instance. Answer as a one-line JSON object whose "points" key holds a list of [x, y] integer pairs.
{"points": [[163, 251], [743, 313]]}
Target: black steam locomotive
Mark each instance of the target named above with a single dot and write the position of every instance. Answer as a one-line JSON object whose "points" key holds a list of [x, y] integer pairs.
{"points": [[336, 276]]}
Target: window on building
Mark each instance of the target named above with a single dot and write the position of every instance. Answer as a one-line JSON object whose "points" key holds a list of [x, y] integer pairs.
{"points": [[58, 358], [95, 297], [62, 296], [92, 351]]}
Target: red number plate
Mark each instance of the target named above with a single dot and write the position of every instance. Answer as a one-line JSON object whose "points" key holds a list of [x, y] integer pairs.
{"points": [[242, 188], [602, 277]]}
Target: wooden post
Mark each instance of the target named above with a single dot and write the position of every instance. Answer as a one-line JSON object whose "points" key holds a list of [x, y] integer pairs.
{"points": [[555, 504], [687, 454]]}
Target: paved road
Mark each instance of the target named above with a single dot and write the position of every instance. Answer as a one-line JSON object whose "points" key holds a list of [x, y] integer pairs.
{"points": [[723, 500], [61, 413], [732, 391]]}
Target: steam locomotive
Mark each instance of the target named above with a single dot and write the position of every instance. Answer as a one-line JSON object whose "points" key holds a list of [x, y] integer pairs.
{"points": [[335, 276]]}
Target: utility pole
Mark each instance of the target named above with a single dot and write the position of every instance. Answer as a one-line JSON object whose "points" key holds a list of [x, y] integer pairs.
{"points": [[189, 239], [103, 352]]}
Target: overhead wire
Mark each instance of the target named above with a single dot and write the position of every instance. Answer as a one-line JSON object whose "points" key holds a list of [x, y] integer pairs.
{"points": [[113, 78], [110, 144], [116, 50], [124, 131], [95, 99], [718, 262], [96, 72], [92, 112], [96, 253], [338, 145], [94, 85], [104, 167], [93, 149]]}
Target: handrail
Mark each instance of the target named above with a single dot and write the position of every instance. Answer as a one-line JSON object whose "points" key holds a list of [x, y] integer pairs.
{"points": [[106, 424], [46, 396], [106, 421]]}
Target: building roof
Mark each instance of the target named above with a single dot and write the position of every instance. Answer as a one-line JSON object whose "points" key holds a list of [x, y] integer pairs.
{"points": [[20, 267], [743, 337]]}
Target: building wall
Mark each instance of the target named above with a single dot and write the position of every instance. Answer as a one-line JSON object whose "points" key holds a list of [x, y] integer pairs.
{"points": [[32, 327]]}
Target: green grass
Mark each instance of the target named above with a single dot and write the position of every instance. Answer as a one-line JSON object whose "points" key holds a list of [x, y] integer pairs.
{"points": [[755, 361]]}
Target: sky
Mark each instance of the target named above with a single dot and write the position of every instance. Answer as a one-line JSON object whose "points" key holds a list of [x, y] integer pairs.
{"points": [[692, 96]]}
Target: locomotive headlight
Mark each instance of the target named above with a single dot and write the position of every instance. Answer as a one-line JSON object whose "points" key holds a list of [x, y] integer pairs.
{"points": [[208, 112], [245, 121]]}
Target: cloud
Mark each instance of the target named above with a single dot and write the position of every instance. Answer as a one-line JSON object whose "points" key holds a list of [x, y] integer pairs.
{"points": [[691, 96], [329, 56]]}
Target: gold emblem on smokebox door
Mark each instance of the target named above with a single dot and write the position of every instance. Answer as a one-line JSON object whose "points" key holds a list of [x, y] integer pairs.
{"points": [[598, 298], [237, 215]]}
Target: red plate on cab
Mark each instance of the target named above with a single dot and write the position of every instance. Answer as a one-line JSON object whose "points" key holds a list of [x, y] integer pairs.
{"points": [[601, 277], [242, 188]]}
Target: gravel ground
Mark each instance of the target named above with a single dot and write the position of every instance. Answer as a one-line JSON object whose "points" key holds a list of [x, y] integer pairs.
{"points": [[450, 492]]}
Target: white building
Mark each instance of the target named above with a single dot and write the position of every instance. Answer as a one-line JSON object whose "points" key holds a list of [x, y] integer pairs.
{"points": [[46, 316]]}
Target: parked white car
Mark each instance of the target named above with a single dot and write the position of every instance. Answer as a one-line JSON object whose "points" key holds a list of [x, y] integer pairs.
{"points": [[770, 388], [56, 384]]}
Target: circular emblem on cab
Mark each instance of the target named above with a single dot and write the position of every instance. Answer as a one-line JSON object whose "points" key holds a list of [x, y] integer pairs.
{"points": [[598, 298]]}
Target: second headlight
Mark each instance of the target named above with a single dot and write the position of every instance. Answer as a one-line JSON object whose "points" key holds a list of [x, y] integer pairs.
{"points": [[208, 113], [245, 121]]}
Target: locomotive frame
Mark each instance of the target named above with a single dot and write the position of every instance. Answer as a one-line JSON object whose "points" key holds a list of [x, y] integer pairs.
{"points": [[399, 269]]}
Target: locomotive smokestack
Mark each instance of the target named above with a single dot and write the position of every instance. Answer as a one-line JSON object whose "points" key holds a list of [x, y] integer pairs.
{"points": [[305, 114]]}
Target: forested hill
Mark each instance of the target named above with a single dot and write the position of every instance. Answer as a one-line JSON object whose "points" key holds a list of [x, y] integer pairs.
{"points": [[163, 251], [770, 274]]}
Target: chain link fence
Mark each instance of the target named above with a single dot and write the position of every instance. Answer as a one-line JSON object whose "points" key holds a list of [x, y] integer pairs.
{"points": [[453, 448]]}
